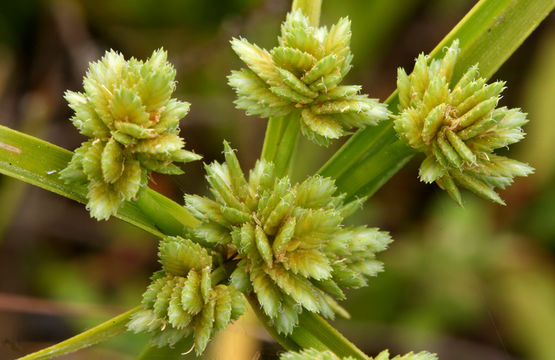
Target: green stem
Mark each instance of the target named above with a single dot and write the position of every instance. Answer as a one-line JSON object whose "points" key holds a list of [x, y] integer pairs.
{"points": [[274, 131], [157, 207], [310, 8], [280, 142], [102, 332], [312, 332], [282, 133]]}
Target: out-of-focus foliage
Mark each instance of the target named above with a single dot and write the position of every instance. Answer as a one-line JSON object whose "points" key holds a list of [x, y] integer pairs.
{"points": [[468, 274], [540, 147]]}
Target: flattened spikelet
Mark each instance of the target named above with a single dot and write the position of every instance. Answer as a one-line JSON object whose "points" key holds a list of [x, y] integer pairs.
{"points": [[181, 300], [134, 125], [458, 127], [313, 354], [287, 239], [303, 74]]}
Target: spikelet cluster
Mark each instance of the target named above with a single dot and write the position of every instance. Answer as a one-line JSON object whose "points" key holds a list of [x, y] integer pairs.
{"points": [[458, 127], [312, 354], [182, 299], [302, 75], [133, 124], [291, 248]]}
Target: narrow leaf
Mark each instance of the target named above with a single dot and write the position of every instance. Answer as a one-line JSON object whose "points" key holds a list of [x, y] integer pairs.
{"points": [[102, 332]]}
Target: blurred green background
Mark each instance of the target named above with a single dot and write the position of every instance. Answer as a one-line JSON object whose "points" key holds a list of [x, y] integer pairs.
{"points": [[472, 283]]}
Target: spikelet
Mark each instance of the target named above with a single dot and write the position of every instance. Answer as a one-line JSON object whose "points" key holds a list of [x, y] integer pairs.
{"points": [[312, 354], [303, 75], [292, 250], [424, 355], [182, 300], [133, 124], [458, 127]]}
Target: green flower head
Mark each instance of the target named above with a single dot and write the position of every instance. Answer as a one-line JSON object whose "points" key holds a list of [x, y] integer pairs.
{"points": [[184, 298], [312, 354], [291, 248], [133, 125], [458, 127], [303, 75]]}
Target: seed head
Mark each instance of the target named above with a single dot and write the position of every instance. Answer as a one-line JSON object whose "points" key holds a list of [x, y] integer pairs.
{"points": [[458, 126], [291, 248], [133, 124], [303, 75]]}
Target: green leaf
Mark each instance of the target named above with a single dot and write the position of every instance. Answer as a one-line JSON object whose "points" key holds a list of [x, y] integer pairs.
{"points": [[39, 163], [488, 35], [102, 332]]}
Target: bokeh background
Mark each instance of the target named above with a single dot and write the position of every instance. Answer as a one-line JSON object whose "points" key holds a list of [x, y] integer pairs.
{"points": [[472, 283]]}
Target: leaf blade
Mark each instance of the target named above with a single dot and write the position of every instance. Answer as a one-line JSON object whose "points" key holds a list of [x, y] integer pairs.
{"points": [[38, 162]]}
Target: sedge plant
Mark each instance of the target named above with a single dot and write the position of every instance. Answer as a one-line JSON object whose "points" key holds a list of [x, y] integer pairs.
{"points": [[259, 239]]}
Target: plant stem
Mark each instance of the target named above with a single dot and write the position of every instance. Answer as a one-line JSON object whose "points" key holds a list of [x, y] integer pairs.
{"points": [[280, 142], [102, 332], [310, 8], [312, 332], [282, 133], [316, 330], [157, 207]]}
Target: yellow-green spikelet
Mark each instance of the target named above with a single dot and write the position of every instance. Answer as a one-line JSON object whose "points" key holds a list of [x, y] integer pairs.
{"points": [[303, 75], [313, 354], [458, 127], [127, 111], [292, 251], [182, 301]]}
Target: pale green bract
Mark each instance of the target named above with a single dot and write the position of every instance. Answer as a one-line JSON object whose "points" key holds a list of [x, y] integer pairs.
{"points": [[303, 74], [182, 299], [312, 354], [458, 127], [133, 125], [291, 248]]}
